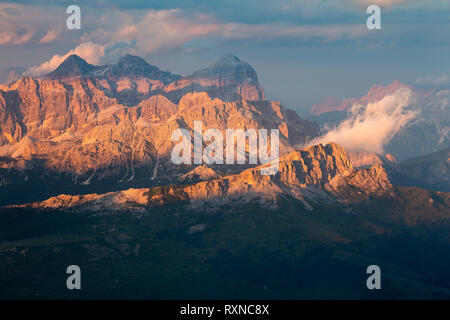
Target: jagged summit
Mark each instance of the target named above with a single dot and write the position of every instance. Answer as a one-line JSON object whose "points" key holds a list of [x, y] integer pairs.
{"points": [[375, 93], [229, 72], [228, 67], [136, 67], [313, 175], [72, 66], [128, 65], [227, 59], [132, 79]]}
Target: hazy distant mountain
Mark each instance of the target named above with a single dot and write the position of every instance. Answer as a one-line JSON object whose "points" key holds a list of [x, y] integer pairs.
{"points": [[427, 132], [375, 93], [367, 159], [431, 171], [232, 76]]}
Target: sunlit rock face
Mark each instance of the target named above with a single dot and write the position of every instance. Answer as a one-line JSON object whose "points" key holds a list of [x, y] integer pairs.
{"points": [[316, 176], [89, 124]]}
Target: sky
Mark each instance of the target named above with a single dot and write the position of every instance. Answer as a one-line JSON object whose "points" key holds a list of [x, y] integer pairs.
{"points": [[303, 51]]}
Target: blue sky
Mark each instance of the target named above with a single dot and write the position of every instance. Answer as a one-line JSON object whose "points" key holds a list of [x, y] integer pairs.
{"points": [[303, 50]]}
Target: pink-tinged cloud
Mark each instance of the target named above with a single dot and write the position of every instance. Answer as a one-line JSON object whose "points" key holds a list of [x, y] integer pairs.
{"points": [[14, 37], [89, 51], [50, 36], [370, 127], [150, 30], [160, 30], [20, 24], [13, 27], [156, 30]]}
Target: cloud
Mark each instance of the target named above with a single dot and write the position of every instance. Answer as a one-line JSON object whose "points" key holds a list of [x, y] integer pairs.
{"points": [[91, 52], [145, 31], [438, 81], [13, 27], [370, 127], [156, 30], [164, 30], [50, 36], [15, 37], [21, 24], [170, 29]]}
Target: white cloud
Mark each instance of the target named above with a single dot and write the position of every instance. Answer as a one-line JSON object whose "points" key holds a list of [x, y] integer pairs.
{"points": [[370, 127], [91, 52]]}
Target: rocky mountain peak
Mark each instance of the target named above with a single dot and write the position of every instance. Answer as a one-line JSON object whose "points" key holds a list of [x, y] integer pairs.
{"points": [[131, 59], [228, 67], [57, 123], [313, 175], [375, 94], [228, 59], [379, 92], [136, 67], [72, 66], [232, 76], [199, 173]]}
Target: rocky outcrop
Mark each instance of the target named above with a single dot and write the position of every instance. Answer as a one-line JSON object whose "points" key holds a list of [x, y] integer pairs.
{"points": [[83, 131], [228, 79], [375, 94], [132, 200], [72, 123], [317, 174], [132, 79], [200, 173], [314, 175]]}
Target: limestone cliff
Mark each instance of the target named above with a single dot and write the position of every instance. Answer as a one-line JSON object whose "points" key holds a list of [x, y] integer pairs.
{"points": [[90, 123], [314, 175]]}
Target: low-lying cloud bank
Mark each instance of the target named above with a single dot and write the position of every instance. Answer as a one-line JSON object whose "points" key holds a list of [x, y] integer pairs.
{"points": [[370, 127]]}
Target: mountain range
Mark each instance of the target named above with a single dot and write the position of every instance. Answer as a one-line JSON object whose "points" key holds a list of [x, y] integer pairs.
{"points": [[83, 124], [428, 131], [86, 178]]}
